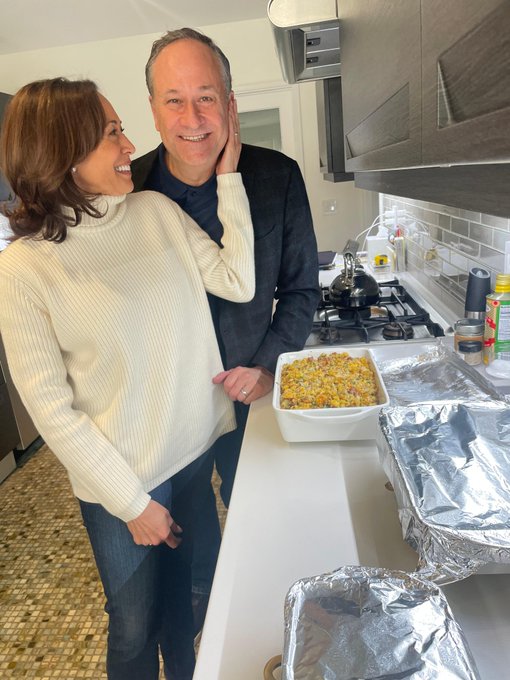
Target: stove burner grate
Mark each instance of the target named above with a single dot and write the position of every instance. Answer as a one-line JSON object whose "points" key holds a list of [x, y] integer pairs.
{"points": [[395, 318], [398, 330]]}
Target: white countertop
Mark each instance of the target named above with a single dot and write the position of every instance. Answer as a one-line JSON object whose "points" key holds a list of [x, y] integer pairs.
{"points": [[299, 510]]}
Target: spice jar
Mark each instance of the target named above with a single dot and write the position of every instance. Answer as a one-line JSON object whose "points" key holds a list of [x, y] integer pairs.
{"points": [[471, 351], [467, 329]]}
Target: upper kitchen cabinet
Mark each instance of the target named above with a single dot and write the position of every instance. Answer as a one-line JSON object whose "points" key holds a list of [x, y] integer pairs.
{"points": [[381, 82], [466, 81], [425, 82]]}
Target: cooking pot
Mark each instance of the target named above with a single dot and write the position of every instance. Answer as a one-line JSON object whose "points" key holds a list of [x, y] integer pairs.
{"points": [[353, 287]]}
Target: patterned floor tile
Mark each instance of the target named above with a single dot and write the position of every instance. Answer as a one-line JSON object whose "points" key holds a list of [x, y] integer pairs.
{"points": [[52, 622]]}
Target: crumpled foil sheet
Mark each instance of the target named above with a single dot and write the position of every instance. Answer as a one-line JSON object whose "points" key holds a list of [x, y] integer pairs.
{"points": [[436, 373], [449, 464], [361, 623]]}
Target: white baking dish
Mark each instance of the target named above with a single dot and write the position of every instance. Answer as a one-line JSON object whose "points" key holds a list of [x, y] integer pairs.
{"points": [[328, 424]]}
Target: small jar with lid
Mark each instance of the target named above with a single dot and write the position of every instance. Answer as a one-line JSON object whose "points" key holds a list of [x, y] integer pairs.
{"points": [[468, 329], [471, 351]]}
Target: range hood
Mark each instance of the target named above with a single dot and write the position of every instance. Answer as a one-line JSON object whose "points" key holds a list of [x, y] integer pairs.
{"points": [[307, 38]]}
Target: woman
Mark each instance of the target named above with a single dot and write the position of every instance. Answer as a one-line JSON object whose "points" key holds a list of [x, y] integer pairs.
{"points": [[110, 342]]}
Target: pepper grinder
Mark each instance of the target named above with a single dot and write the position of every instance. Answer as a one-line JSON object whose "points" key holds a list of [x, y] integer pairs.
{"points": [[478, 287]]}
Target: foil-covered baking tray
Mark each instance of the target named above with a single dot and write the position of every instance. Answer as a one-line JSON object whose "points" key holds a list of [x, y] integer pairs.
{"points": [[367, 623], [449, 464], [434, 372]]}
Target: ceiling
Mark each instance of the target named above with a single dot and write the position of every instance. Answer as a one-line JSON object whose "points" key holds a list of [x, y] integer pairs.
{"points": [[36, 24]]}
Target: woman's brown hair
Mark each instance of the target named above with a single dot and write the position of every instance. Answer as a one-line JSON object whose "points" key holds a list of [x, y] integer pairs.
{"points": [[49, 127]]}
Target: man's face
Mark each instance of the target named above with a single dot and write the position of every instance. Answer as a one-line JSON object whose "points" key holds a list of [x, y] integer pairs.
{"points": [[190, 109]]}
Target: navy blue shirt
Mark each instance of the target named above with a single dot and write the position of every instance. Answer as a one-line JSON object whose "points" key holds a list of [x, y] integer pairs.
{"points": [[200, 203]]}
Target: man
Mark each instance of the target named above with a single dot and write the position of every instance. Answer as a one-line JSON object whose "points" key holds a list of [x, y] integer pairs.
{"points": [[189, 82]]}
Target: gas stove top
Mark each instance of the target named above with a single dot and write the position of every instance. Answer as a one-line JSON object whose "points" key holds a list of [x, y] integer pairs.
{"points": [[396, 317]]}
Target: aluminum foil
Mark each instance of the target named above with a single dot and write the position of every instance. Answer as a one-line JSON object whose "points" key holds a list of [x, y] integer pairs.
{"points": [[367, 623], [449, 464], [435, 373]]}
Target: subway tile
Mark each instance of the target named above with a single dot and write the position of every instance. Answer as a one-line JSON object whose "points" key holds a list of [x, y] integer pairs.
{"points": [[444, 221], [459, 261], [436, 233], [460, 227], [451, 211], [493, 221], [430, 217], [469, 215], [436, 207], [481, 234], [470, 248], [492, 258], [450, 238], [500, 238]]}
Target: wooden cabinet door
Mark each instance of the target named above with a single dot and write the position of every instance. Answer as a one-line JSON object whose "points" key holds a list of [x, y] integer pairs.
{"points": [[381, 82], [466, 81]]}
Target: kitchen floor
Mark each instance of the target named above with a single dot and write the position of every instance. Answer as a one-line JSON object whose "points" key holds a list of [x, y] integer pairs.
{"points": [[52, 622]]}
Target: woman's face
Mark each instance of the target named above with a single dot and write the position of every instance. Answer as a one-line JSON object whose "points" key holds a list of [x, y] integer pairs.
{"points": [[107, 169]]}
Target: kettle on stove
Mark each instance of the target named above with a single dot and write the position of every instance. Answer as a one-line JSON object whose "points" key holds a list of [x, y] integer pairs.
{"points": [[353, 287]]}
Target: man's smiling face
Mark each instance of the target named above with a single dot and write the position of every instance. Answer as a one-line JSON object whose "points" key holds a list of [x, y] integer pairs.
{"points": [[190, 108]]}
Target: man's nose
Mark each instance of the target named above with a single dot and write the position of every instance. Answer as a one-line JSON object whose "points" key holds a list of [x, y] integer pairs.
{"points": [[191, 116]]}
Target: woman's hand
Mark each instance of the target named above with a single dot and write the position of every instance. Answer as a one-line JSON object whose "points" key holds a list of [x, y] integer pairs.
{"points": [[245, 384], [229, 157], [154, 526]]}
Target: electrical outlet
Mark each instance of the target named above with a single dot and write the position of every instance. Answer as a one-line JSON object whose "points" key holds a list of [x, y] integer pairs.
{"points": [[329, 207]]}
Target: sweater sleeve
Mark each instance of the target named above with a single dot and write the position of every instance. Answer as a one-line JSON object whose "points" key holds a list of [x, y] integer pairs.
{"points": [[36, 365], [228, 272]]}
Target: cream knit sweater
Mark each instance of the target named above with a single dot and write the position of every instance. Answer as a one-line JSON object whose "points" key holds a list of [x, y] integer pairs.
{"points": [[110, 341]]}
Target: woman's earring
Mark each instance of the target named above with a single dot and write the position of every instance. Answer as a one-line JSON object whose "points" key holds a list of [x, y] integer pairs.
{"points": [[73, 169]]}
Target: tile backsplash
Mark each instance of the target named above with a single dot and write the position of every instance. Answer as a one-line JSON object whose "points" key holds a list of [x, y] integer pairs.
{"points": [[444, 243]]}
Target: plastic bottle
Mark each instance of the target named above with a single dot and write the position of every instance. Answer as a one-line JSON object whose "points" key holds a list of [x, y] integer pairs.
{"points": [[497, 321], [399, 246]]}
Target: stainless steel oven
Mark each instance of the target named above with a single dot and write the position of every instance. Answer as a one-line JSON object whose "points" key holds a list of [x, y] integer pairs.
{"points": [[25, 429], [8, 431]]}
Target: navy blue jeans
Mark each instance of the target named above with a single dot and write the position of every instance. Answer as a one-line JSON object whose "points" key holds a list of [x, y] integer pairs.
{"points": [[147, 589]]}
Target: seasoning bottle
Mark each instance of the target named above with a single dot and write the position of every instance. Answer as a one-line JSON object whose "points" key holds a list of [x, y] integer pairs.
{"points": [[497, 321], [471, 351], [467, 329]]}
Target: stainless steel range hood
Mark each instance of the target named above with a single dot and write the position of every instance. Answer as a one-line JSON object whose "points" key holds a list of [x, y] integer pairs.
{"points": [[307, 37]]}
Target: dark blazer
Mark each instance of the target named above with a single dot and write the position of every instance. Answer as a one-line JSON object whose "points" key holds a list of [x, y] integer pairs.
{"points": [[285, 261]]}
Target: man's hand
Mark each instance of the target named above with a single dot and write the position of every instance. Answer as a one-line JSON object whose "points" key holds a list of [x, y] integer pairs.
{"points": [[154, 526], [245, 384], [229, 157]]}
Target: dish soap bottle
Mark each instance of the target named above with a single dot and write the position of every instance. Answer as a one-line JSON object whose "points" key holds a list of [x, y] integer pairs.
{"points": [[496, 338]]}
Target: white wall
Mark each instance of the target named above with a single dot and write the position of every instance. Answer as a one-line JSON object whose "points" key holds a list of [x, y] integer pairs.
{"points": [[118, 68]]}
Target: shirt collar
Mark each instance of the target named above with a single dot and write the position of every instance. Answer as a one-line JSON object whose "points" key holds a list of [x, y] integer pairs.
{"points": [[175, 188]]}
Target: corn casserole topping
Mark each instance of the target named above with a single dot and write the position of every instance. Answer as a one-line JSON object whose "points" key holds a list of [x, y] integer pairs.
{"points": [[328, 381]]}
